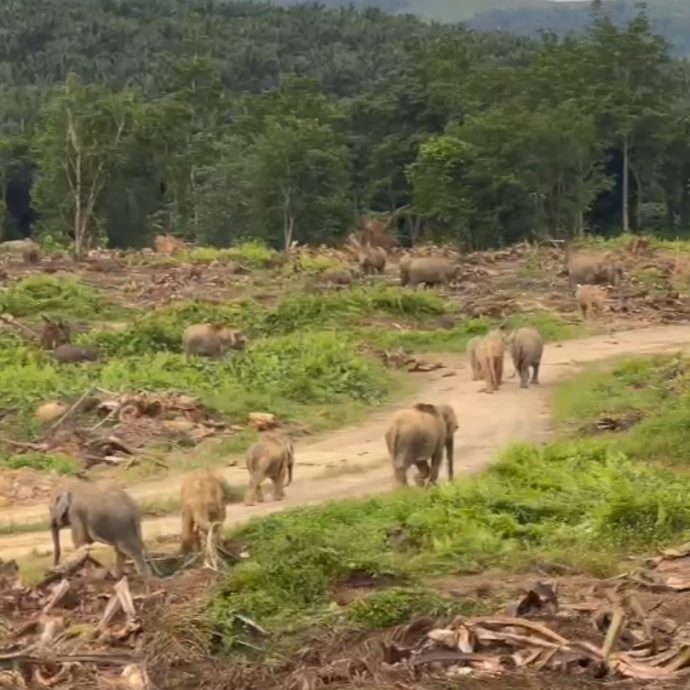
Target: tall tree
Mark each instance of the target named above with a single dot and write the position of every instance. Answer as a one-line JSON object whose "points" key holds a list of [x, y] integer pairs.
{"points": [[627, 70], [82, 141], [299, 182]]}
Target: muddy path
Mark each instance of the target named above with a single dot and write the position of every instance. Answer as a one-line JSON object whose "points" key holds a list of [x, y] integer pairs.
{"points": [[352, 462]]}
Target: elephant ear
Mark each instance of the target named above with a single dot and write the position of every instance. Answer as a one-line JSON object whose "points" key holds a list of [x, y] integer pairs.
{"points": [[61, 506]]}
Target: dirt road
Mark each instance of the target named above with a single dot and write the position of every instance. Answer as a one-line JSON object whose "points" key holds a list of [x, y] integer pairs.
{"points": [[353, 463]]}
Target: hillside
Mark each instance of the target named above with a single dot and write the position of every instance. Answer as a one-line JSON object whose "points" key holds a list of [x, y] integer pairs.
{"points": [[670, 18]]}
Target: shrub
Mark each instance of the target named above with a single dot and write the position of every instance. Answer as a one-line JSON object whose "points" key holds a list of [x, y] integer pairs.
{"points": [[337, 308], [47, 294]]}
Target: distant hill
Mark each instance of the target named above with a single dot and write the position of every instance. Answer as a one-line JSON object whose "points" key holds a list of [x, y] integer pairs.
{"points": [[671, 18]]}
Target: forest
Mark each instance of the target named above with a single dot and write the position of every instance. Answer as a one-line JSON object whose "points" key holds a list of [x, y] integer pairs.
{"points": [[121, 119]]}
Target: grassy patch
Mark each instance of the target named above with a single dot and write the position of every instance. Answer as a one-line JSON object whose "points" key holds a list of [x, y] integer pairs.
{"points": [[53, 462], [251, 253], [657, 389], [581, 503], [41, 294], [455, 338], [294, 376]]}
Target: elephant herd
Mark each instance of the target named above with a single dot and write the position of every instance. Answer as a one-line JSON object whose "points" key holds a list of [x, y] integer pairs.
{"points": [[417, 437], [105, 514]]}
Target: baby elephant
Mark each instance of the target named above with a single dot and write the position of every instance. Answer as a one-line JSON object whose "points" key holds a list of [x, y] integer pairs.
{"points": [[591, 299], [103, 514], [490, 355], [71, 354], [526, 348], [418, 437], [472, 346], [211, 340], [203, 497], [271, 458]]}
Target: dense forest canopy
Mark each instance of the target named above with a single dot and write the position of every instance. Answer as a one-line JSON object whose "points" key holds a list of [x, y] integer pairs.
{"points": [[120, 119]]}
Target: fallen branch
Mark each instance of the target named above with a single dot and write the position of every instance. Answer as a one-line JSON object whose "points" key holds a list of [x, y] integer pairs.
{"points": [[72, 409], [78, 560], [11, 321], [25, 657], [40, 447]]}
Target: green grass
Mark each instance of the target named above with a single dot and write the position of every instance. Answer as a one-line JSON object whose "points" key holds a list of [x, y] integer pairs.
{"points": [[455, 338], [582, 503], [252, 254], [315, 378], [41, 294], [656, 388], [55, 462]]}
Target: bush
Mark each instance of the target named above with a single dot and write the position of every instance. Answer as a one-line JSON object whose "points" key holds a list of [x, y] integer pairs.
{"points": [[345, 306], [389, 607], [313, 367], [48, 295]]}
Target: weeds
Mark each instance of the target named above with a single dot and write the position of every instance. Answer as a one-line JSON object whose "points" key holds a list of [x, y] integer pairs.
{"points": [[48, 295]]}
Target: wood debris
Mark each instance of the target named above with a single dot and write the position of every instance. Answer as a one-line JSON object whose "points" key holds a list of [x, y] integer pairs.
{"points": [[399, 359], [630, 642]]}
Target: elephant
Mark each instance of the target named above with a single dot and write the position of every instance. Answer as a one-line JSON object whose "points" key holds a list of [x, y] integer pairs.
{"points": [[337, 276], [418, 436], [211, 340], [490, 355], [593, 270], [373, 260], [203, 497], [472, 346], [103, 514], [272, 457], [526, 349], [427, 271], [68, 353], [591, 299]]}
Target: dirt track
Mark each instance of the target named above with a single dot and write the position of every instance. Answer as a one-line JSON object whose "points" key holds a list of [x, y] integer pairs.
{"points": [[352, 462]]}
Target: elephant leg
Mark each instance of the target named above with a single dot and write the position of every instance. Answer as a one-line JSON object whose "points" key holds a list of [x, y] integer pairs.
{"points": [[80, 537], [499, 371], [423, 472], [400, 477], [259, 493], [524, 376], [535, 373], [136, 552], [278, 484], [119, 563], [253, 493], [436, 460], [188, 532]]}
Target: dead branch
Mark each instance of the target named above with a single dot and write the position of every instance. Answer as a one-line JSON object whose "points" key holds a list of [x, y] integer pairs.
{"points": [[78, 560], [72, 409], [26, 331]]}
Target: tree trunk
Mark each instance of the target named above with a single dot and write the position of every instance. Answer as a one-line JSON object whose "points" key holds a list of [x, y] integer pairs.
{"points": [[625, 193], [288, 222]]}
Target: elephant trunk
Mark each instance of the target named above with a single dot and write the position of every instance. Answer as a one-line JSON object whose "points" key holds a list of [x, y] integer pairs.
{"points": [[55, 532]]}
